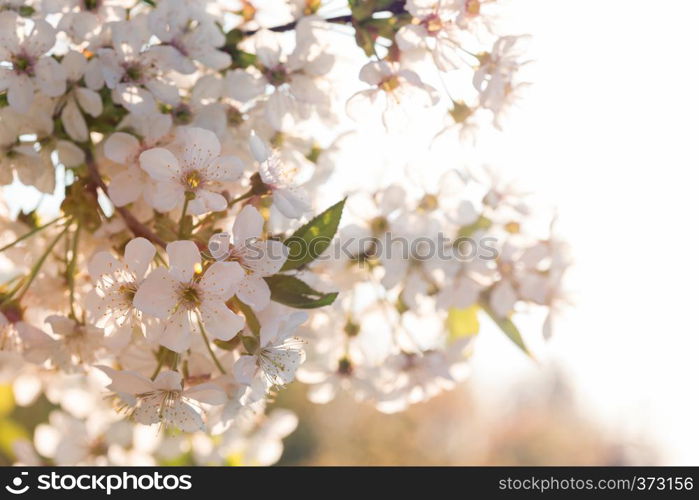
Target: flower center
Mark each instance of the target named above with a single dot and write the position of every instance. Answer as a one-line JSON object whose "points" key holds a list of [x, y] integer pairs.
{"points": [[277, 76], [473, 7], [235, 116], [182, 115], [389, 84], [22, 63], [128, 292], [428, 203], [134, 73], [433, 24], [91, 4], [460, 112], [379, 225], [193, 180], [189, 296], [344, 367]]}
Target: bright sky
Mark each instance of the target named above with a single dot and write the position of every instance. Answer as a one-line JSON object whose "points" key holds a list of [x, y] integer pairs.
{"points": [[607, 133]]}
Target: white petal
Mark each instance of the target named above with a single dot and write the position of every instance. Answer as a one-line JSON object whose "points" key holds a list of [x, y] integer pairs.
{"points": [[164, 92], [50, 76], [184, 417], [168, 380], [201, 146], [503, 298], [289, 203], [220, 279], [206, 201], [207, 393], [219, 321], [102, 263], [41, 39], [138, 255], [73, 121], [165, 196], [225, 169], [254, 291], [183, 257], [69, 154], [247, 226], [134, 98], [157, 294], [20, 93], [258, 148], [267, 258], [160, 164], [127, 381], [89, 100], [121, 148], [126, 186], [267, 48], [74, 64], [178, 332]]}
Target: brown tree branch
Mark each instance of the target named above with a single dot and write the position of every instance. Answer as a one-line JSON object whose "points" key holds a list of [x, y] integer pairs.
{"points": [[136, 227], [397, 7]]}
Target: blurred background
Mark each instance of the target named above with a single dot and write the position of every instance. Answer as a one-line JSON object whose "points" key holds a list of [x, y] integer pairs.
{"points": [[607, 135]]}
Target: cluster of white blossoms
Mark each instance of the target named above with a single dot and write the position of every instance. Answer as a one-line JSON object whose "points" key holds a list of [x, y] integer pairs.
{"points": [[194, 267]]}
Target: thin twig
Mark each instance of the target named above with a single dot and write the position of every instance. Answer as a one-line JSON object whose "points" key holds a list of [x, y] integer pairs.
{"points": [[131, 222]]}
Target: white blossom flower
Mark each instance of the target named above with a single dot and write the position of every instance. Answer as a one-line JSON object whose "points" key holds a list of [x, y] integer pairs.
{"points": [[275, 359], [287, 197], [72, 345], [194, 39], [296, 79], [396, 92], [494, 78], [257, 257], [78, 99], [132, 183], [116, 284], [134, 72], [196, 170], [163, 400], [24, 44], [435, 31], [84, 21], [182, 297]]}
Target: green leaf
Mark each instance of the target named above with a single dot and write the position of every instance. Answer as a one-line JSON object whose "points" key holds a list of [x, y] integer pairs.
{"points": [[250, 319], [293, 292], [468, 231], [507, 326], [313, 238]]}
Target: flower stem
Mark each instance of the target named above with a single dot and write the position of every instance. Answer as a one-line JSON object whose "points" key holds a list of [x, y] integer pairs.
{"points": [[181, 232], [31, 233], [70, 270], [208, 346], [24, 286]]}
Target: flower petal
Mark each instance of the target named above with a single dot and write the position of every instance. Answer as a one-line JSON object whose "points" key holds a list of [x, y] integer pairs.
{"points": [[183, 258], [220, 322], [157, 294], [254, 291], [220, 280], [160, 164], [247, 226], [127, 381], [138, 255]]}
